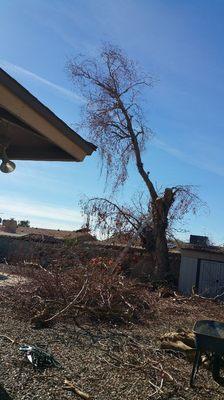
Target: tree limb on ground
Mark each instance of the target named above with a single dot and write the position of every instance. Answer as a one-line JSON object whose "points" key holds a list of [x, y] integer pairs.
{"points": [[68, 305], [71, 386], [8, 338]]}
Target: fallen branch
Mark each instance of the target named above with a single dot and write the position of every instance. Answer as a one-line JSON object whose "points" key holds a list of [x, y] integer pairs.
{"points": [[125, 251], [8, 338], [71, 386], [158, 388], [45, 270], [68, 305]]}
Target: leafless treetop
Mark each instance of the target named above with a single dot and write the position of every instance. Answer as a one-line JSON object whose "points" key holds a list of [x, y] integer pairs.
{"points": [[112, 85]]}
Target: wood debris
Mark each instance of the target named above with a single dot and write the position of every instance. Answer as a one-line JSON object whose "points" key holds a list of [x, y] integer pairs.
{"points": [[71, 386]]}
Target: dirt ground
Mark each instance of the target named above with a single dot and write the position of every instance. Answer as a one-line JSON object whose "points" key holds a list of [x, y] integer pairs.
{"points": [[108, 362]]}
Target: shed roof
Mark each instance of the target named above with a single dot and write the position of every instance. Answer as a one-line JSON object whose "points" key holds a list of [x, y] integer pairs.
{"points": [[33, 131], [202, 249]]}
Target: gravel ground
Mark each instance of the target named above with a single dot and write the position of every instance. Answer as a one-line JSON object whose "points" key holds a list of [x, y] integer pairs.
{"points": [[108, 362]]}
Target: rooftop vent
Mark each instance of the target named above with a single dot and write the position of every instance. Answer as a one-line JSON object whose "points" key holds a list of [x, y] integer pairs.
{"points": [[201, 241]]}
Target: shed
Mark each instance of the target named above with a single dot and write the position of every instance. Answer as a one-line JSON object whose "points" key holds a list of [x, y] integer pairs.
{"points": [[31, 131], [202, 269]]}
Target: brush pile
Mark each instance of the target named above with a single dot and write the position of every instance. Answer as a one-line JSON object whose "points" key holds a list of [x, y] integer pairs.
{"points": [[98, 293]]}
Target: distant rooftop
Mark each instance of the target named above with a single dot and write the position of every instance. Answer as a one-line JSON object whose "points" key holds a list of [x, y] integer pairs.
{"points": [[57, 233]]}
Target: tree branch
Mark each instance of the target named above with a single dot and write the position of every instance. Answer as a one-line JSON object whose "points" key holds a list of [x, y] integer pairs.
{"points": [[139, 162], [119, 209]]}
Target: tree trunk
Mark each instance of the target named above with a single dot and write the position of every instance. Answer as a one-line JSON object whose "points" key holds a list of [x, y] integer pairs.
{"points": [[161, 252], [160, 209]]}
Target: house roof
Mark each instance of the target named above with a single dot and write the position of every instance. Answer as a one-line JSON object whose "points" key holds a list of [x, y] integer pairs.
{"points": [[33, 131]]}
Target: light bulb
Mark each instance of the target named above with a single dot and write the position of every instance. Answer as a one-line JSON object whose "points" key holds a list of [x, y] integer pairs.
{"points": [[7, 166]]}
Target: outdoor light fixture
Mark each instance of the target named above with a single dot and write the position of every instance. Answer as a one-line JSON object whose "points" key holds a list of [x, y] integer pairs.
{"points": [[6, 166]]}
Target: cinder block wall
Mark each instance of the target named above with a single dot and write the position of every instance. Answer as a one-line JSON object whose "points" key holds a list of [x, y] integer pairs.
{"points": [[68, 253]]}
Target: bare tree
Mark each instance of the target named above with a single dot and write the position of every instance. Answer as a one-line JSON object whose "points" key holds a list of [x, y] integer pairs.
{"points": [[112, 85], [117, 221], [110, 219]]}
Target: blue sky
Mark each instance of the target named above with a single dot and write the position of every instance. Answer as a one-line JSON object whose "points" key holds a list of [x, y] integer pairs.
{"points": [[180, 42]]}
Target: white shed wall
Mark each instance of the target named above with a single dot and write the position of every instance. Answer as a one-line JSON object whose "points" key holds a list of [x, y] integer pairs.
{"points": [[187, 277]]}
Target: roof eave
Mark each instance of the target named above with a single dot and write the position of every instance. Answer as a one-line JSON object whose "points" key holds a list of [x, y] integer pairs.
{"points": [[23, 94]]}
